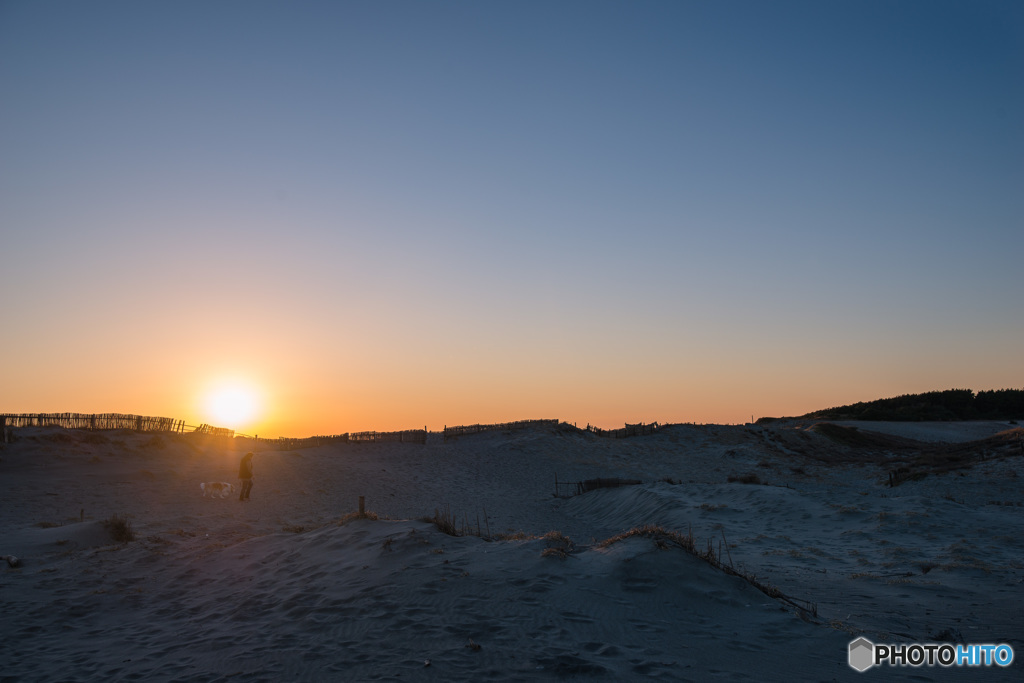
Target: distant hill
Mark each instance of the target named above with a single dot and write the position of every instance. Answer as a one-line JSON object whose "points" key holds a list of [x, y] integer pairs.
{"points": [[952, 404]]}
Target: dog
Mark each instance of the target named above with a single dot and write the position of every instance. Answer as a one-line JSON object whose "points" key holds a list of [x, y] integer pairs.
{"points": [[213, 488]]}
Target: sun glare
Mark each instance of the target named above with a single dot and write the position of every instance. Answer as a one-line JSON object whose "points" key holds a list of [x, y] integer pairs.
{"points": [[232, 406]]}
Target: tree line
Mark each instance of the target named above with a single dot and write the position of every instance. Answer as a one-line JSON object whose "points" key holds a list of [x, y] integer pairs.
{"points": [[951, 404]]}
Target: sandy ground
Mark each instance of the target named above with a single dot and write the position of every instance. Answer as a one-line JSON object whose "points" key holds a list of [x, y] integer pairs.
{"points": [[278, 589]]}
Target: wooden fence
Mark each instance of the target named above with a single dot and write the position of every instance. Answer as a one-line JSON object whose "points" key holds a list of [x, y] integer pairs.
{"points": [[213, 431], [142, 423], [501, 426], [138, 423], [629, 430], [406, 436], [287, 444]]}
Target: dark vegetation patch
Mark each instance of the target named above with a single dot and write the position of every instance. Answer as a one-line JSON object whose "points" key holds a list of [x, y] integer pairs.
{"points": [[951, 404], [120, 528], [854, 437], [903, 459], [946, 457], [909, 460]]}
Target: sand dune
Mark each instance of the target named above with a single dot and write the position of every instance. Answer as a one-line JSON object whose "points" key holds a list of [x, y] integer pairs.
{"points": [[280, 589]]}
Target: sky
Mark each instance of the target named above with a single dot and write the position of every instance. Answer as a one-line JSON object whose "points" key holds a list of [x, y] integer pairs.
{"points": [[389, 215]]}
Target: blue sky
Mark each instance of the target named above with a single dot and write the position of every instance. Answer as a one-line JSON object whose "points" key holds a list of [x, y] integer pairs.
{"points": [[768, 206]]}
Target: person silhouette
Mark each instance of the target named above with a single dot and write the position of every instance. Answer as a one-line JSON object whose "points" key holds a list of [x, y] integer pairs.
{"points": [[245, 474]]}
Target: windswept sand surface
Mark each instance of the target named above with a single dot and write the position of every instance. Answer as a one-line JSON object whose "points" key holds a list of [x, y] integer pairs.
{"points": [[278, 589]]}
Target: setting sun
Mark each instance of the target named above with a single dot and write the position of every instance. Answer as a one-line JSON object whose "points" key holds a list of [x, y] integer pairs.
{"points": [[232, 405]]}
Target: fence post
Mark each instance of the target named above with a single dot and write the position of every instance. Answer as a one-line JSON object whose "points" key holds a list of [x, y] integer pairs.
{"points": [[362, 505]]}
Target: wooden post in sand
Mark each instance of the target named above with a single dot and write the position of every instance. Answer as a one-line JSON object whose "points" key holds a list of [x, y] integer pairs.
{"points": [[362, 505]]}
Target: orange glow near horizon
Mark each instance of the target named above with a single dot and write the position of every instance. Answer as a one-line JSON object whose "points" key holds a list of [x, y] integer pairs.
{"points": [[284, 380], [389, 407], [298, 402]]}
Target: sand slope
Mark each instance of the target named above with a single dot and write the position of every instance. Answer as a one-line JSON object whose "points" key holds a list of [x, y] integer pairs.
{"points": [[278, 589]]}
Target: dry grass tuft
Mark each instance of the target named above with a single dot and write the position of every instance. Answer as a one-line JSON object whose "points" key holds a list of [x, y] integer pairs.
{"points": [[445, 521], [357, 515], [120, 528], [448, 523], [558, 545], [558, 538], [655, 532]]}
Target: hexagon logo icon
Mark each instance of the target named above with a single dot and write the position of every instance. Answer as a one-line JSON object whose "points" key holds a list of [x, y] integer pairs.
{"points": [[862, 654]]}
